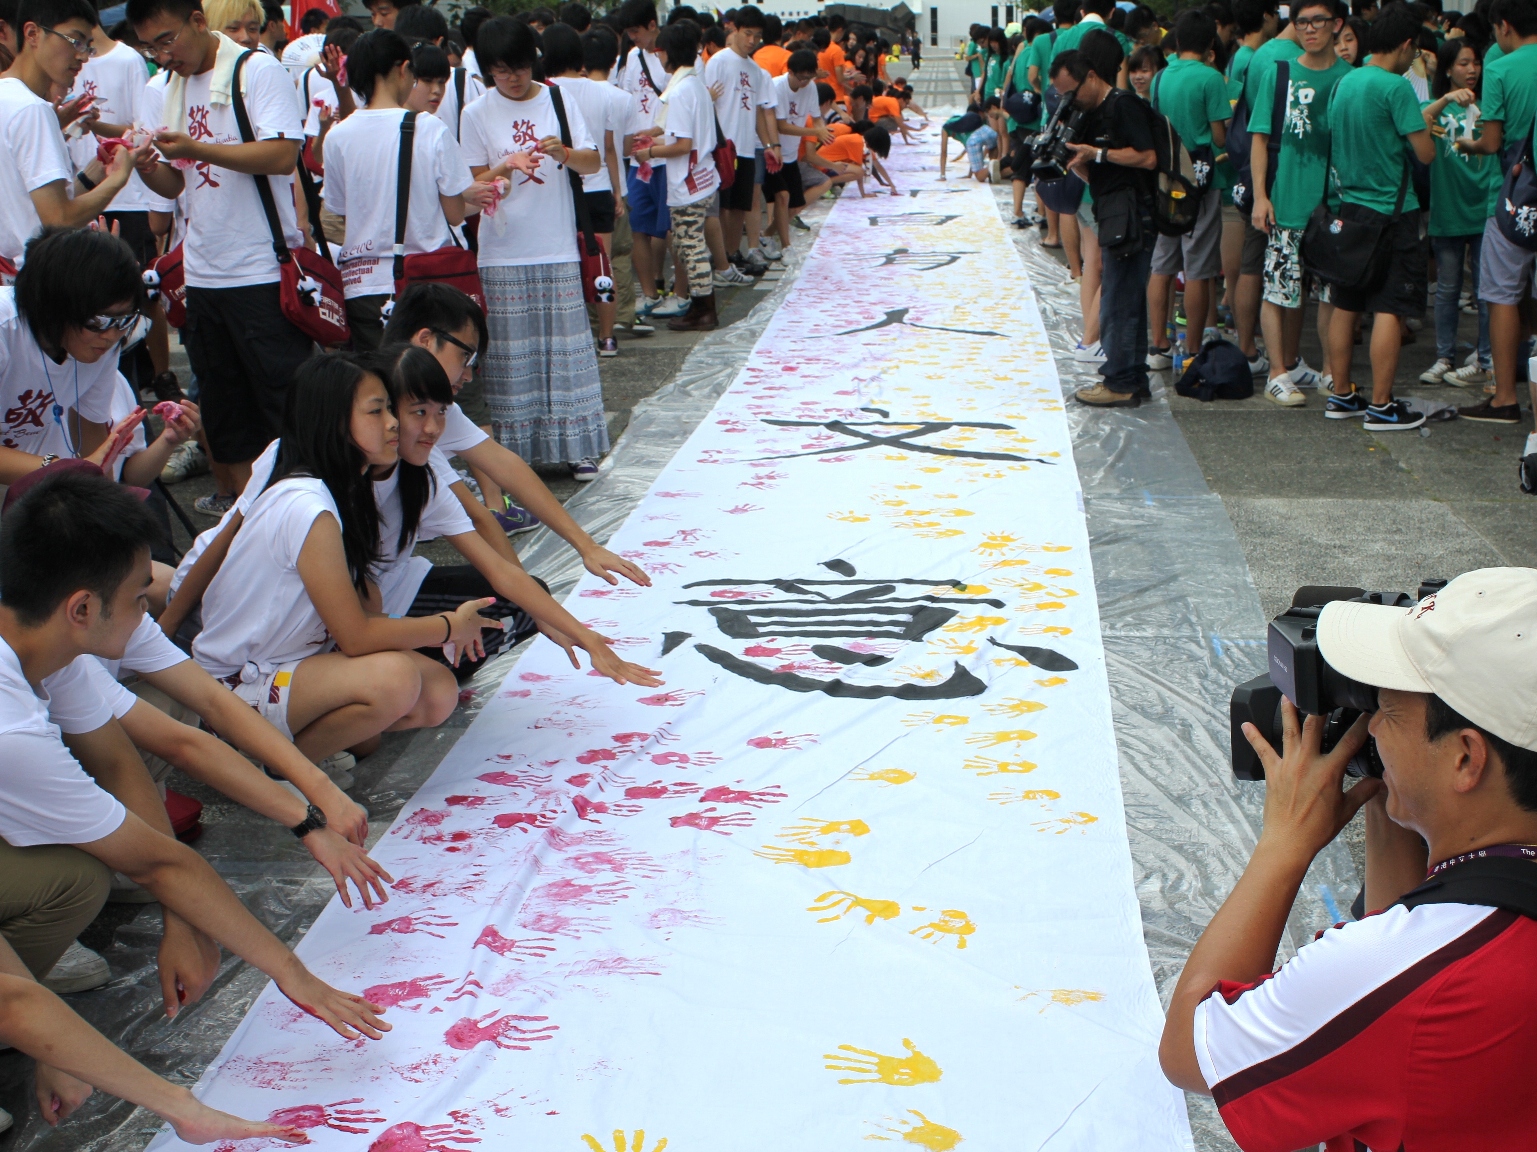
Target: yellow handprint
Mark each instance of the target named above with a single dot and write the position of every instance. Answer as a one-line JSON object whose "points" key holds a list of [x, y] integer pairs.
{"points": [[975, 623], [809, 831], [998, 739], [996, 542], [1059, 571], [1067, 997], [1067, 823], [986, 766], [942, 718], [939, 533], [925, 1134], [623, 1145], [1043, 606], [805, 857], [898, 1071], [947, 647], [1010, 706], [1020, 795], [841, 903], [848, 517], [951, 922], [1052, 681], [915, 672], [886, 776], [1046, 630]]}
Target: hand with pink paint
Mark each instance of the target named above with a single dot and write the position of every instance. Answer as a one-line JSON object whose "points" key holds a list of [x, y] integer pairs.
{"points": [[347, 1014]]}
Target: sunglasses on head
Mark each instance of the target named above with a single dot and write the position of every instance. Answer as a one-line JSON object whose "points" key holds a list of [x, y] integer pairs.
{"points": [[106, 323], [471, 354]]}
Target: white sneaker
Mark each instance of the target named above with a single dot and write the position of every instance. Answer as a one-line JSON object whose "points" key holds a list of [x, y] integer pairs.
{"points": [[1282, 391], [1260, 365], [1467, 376], [1302, 376], [1160, 359], [1089, 353], [1436, 372], [730, 278], [1326, 383], [339, 768], [771, 248], [672, 306], [78, 970], [6, 1120], [757, 263], [187, 459]]}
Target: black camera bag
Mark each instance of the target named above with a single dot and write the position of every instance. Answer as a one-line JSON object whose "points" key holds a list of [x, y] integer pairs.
{"points": [[1504, 882]]}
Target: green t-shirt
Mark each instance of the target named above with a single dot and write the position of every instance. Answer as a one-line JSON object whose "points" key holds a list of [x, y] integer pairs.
{"points": [[1040, 54], [1371, 114], [1304, 137], [972, 65], [1492, 53], [1021, 83], [1191, 95], [1070, 38], [997, 66], [1263, 62], [1463, 188], [1237, 67], [1510, 96]]}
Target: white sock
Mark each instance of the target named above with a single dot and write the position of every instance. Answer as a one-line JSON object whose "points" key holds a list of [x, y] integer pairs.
{"points": [[1531, 444]]}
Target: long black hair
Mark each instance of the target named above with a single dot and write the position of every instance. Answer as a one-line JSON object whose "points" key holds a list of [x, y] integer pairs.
{"points": [[410, 372], [317, 442], [1446, 56], [375, 54]]}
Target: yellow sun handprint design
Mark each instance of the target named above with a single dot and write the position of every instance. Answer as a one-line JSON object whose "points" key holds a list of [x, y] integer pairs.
{"points": [[621, 1144], [876, 1068]]}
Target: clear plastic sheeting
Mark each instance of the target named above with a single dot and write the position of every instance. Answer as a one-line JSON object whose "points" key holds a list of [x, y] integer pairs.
{"points": [[1182, 625]]}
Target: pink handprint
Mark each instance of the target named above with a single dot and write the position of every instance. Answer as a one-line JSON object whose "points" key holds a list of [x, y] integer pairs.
{"points": [[656, 790], [572, 892], [597, 755], [338, 1117], [558, 924], [760, 651], [623, 862], [411, 1137], [695, 759], [534, 946], [422, 824], [524, 820], [503, 1031], [405, 925], [674, 699], [513, 780], [742, 509], [721, 794], [780, 740], [585, 808], [706, 822], [469, 986], [405, 991], [465, 801]]}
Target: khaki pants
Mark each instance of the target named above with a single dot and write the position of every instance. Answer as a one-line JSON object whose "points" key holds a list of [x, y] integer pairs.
{"points": [[624, 272], [48, 895]]}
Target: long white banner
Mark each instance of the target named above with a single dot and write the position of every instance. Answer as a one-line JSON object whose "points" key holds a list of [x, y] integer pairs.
{"points": [[859, 871]]}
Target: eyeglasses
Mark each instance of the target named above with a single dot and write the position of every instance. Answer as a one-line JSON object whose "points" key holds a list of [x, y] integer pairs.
{"points": [[1313, 21], [106, 323], [161, 44], [471, 354], [82, 48]]}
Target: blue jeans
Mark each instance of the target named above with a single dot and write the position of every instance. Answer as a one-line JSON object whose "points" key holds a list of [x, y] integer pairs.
{"points": [[1123, 315], [1449, 253]]}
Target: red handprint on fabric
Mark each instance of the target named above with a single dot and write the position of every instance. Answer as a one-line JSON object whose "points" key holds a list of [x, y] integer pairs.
{"points": [[535, 946], [721, 794], [404, 992], [707, 821], [411, 1137], [406, 925], [503, 1031]]}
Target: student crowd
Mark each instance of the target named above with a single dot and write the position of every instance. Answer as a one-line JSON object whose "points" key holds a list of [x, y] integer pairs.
{"points": [[1401, 120], [347, 229]]}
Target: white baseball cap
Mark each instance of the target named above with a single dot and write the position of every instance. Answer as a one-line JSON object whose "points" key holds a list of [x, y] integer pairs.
{"points": [[1474, 644]]}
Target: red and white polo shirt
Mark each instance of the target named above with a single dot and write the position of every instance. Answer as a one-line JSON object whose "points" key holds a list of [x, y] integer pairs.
{"points": [[1411, 1030]]}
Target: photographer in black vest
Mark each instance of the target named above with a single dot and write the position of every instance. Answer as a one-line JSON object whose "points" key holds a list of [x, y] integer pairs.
{"points": [[1113, 152]]}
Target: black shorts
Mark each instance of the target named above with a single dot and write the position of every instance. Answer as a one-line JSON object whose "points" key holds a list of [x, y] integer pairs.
{"points": [[448, 586], [1062, 195], [787, 179], [600, 206], [738, 198], [133, 230], [1399, 286]]}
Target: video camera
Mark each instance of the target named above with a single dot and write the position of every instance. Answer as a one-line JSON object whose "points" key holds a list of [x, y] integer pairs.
{"points": [[1049, 151], [1299, 672]]}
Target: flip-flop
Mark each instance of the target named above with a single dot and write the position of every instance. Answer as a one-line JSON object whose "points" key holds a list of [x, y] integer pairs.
{"points": [[1046, 245]]}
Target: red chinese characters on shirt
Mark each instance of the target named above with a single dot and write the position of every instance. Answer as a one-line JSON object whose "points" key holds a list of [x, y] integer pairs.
{"points": [[27, 414], [197, 128], [744, 93]]}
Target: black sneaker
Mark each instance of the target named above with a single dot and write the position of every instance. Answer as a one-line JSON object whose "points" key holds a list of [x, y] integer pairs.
{"points": [[1491, 413], [1528, 474], [1394, 416], [1345, 407]]}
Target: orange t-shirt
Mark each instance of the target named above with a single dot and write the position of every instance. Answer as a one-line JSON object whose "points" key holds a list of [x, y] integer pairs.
{"points": [[885, 106], [849, 148], [831, 61], [771, 58], [839, 129]]}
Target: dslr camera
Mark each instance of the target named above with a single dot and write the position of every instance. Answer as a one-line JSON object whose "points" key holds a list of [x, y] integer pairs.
{"points": [[1299, 672], [1049, 147]]}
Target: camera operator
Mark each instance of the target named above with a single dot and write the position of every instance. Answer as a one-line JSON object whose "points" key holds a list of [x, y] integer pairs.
{"points": [[1116, 159], [1413, 1027]]}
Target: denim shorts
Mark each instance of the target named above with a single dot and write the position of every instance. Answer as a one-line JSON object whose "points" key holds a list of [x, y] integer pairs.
{"points": [[648, 202], [977, 145]]}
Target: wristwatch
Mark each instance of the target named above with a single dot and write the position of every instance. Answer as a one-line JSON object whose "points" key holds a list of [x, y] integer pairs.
{"points": [[1099, 157], [314, 819]]}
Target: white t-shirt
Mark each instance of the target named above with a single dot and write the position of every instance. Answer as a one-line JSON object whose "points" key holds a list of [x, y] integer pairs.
{"points": [[149, 651], [400, 574], [746, 89], [797, 108], [228, 243], [469, 63], [36, 394], [691, 114], [362, 155], [536, 222], [83, 695], [448, 108], [256, 610], [35, 155], [302, 53], [645, 86], [45, 796], [606, 109], [313, 86], [117, 81], [460, 433]]}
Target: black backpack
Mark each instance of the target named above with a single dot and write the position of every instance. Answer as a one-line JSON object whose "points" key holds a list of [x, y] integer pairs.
{"points": [[1220, 371], [1176, 192], [1515, 212], [1239, 139]]}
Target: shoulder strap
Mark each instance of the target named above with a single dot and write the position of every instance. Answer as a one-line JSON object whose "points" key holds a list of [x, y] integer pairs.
{"points": [[403, 190], [1281, 97], [1154, 92], [308, 73], [646, 72], [459, 81], [263, 184], [578, 194], [1493, 881]]}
